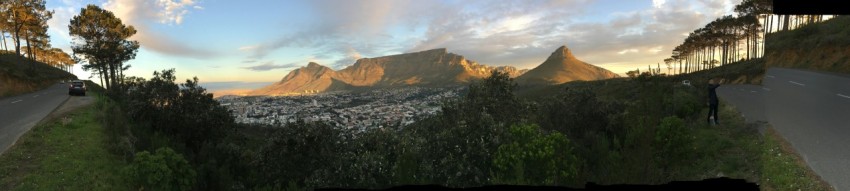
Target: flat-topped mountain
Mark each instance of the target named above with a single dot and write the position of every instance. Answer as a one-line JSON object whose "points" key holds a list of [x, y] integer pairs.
{"points": [[436, 68], [563, 67]]}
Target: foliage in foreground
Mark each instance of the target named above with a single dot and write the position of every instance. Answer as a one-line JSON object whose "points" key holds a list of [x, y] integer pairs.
{"points": [[533, 157], [619, 131], [162, 170]]}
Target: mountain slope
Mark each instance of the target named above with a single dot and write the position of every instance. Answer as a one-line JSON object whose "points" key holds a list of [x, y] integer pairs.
{"points": [[436, 67], [562, 66], [307, 79]]}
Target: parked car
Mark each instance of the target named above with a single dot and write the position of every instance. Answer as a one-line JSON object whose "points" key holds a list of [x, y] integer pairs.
{"points": [[77, 87], [686, 82]]}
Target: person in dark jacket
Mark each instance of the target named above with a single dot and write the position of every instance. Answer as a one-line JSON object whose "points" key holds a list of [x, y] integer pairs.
{"points": [[712, 100]]}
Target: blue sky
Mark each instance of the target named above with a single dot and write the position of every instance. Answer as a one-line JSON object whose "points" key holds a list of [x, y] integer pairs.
{"points": [[261, 41]]}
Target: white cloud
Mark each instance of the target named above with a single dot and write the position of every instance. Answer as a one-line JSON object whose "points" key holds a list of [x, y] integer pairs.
{"points": [[270, 65], [247, 48], [632, 50], [173, 11], [518, 33], [141, 14], [60, 21], [655, 50], [658, 3]]}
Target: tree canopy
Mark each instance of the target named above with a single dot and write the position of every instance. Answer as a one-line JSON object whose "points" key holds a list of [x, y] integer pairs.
{"points": [[101, 39]]}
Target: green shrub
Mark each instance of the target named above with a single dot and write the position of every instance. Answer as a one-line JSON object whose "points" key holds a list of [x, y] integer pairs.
{"points": [[673, 142], [532, 157], [683, 103], [120, 140], [163, 170]]}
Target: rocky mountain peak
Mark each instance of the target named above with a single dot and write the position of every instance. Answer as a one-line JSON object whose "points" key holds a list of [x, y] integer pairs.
{"points": [[562, 53], [313, 65]]}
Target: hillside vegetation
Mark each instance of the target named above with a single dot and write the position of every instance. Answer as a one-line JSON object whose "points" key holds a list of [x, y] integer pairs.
{"points": [[821, 46], [20, 75]]}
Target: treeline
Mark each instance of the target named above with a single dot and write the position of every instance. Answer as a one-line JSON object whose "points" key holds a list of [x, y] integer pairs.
{"points": [[732, 38], [25, 21], [175, 136]]}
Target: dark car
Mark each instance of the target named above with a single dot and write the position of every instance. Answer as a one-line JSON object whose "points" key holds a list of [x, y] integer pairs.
{"points": [[77, 87]]}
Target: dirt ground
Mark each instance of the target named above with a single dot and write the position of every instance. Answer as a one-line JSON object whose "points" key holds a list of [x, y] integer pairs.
{"points": [[73, 103]]}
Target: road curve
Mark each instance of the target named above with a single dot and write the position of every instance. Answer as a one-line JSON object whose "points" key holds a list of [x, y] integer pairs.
{"points": [[20, 113], [809, 109]]}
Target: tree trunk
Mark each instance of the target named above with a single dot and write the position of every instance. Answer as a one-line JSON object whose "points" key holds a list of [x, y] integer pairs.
{"points": [[747, 34], [29, 48], [785, 22], [17, 43], [101, 79], [3, 35], [113, 77]]}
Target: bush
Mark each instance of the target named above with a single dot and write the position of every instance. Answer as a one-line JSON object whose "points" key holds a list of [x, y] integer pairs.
{"points": [[532, 157], [119, 138], [186, 112], [673, 142], [684, 103], [163, 170], [302, 153]]}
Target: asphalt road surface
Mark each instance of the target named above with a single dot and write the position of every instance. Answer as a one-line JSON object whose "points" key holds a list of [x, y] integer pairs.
{"points": [[810, 109], [20, 113]]}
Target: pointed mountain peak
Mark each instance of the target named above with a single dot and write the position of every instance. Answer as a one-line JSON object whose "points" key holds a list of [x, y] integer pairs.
{"points": [[561, 53], [313, 65], [563, 67]]}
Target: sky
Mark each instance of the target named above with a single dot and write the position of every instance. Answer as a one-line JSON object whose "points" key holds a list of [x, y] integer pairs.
{"points": [[262, 40]]}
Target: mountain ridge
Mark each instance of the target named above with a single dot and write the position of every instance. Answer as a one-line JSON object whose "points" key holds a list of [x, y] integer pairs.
{"points": [[435, 67]]}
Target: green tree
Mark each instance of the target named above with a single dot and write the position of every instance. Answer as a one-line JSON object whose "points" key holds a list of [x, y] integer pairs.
{"points": [[26, 19], [673, 144], [162, 170], [102, 42], [303, 153], [533, 157], [184, 111]]}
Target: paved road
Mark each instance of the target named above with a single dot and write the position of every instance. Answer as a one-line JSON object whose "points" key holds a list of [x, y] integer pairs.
{"points": [[810, 109], [20, 113]]}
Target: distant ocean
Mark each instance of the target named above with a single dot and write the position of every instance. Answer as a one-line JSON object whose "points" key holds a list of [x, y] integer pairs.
{"points": [[218, 86]]}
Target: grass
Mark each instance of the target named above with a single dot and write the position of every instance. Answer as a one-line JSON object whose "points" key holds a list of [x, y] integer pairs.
{"points": [[736, 149], [784, 169], [68, 153], [730, 149]]}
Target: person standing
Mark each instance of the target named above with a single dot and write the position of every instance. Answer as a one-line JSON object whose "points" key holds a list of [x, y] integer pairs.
{"points": [[712, 100]]}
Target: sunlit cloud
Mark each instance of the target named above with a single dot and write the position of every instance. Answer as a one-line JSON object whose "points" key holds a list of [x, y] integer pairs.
{"points": [[627, 51], [140, 14], [270, 65]]}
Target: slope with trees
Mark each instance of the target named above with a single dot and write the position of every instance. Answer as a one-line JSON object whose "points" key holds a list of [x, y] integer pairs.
{"points": [[733, 38], [23, 25]]}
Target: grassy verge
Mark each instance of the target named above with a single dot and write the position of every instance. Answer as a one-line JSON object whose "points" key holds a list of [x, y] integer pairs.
{"points": [[784, 169], [69, 153], [730, 149], [736, 149]]}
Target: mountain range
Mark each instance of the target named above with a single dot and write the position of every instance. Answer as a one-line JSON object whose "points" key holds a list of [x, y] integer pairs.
{"points": [[434, 68]]}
